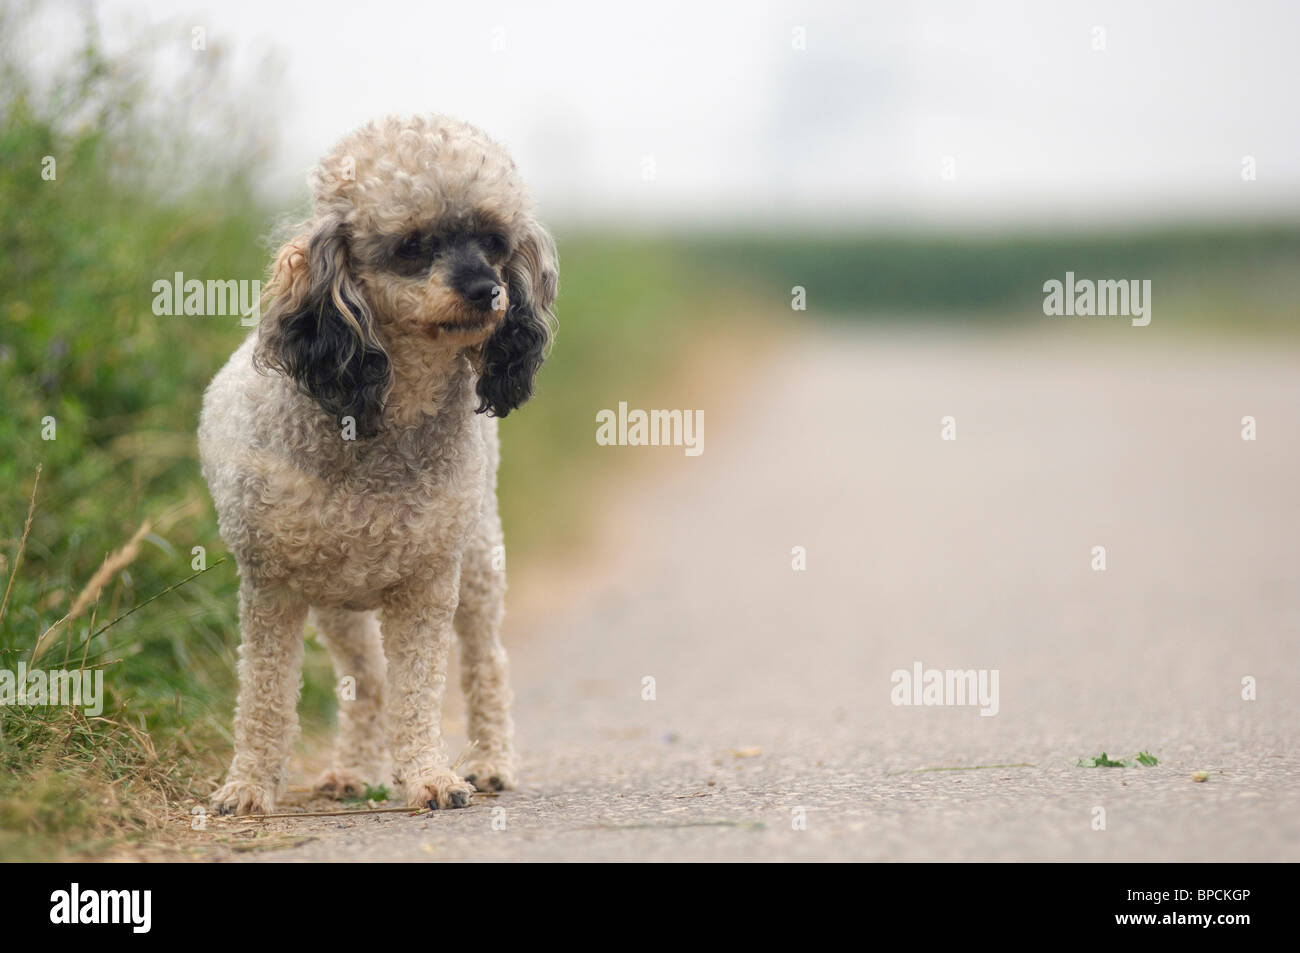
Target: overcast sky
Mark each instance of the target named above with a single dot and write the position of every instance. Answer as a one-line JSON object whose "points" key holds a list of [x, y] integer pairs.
{"points": [[947, 113]]}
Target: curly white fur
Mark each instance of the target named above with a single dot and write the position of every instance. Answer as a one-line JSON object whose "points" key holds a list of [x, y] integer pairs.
{"points": [[396, 525]]}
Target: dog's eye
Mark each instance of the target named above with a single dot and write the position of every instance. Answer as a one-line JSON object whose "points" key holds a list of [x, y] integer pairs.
{"points": [[410, 248], [495, 245]]}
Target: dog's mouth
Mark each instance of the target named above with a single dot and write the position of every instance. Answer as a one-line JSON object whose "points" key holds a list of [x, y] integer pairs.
{"points": [[467, 324], [471, 323]]}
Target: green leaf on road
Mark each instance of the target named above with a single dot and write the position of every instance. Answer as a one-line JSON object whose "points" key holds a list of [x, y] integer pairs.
{"points": [[1144, 758], [1100, 762]]}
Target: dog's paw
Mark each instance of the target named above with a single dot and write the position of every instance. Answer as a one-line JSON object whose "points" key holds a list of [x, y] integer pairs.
{"points": [[340, 783], [490, 775], [440, 791], [242, 797]]}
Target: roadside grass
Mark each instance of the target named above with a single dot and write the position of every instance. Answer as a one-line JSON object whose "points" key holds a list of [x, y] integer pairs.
{"points": [[102, 394]]}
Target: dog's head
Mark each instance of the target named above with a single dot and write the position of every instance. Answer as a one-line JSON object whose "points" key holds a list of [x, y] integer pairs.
{"points": [[423, 237]]}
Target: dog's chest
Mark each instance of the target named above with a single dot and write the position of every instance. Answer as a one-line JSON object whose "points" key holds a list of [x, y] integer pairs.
{"points": [[346, 527]]}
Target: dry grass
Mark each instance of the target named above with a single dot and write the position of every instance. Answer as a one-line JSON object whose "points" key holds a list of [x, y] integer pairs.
{"points": [[76, 785], [113, 563], [22, 544]]}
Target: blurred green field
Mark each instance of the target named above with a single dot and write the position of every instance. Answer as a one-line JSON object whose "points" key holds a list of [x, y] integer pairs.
{"points": [[79, 345], [1206, 279]]}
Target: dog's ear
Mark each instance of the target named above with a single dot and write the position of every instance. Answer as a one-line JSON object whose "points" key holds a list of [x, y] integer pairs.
{"points": [[320, 331], [512, 356]]}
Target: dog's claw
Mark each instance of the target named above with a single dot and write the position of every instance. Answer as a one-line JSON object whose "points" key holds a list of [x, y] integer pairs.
{"points": [[455, 799], [242, 797], [444, 796]]}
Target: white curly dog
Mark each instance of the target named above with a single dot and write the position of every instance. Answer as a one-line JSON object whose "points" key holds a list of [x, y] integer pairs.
{"points": [[351, 450]]}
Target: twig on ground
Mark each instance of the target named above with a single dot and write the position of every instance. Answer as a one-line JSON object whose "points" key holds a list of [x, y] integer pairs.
{"points": [[973, 767]]}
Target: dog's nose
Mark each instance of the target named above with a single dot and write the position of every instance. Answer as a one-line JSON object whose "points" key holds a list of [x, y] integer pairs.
{"points": [[479, 291]]}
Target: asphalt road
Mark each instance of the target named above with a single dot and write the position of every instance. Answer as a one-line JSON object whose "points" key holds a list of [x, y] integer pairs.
{"points": [[772, 734]]}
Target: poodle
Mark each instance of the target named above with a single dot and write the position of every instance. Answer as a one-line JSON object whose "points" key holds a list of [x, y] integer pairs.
{"points": [[350, 446]]}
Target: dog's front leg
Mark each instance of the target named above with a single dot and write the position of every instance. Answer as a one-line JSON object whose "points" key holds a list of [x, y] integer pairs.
{"points": [[266, 714], [417, 626], [483, 667]]}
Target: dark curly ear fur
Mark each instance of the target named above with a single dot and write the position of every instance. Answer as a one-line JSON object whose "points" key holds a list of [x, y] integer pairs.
{"points": [[319, 331], [514, 353]]}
